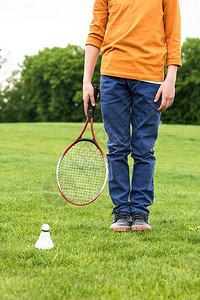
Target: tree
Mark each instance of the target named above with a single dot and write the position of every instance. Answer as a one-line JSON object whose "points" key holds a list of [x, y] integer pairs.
{"points": [[50, 87], [186, 107]]}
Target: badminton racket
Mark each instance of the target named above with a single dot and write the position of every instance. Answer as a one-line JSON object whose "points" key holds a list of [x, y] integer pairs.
{"points": [[82, 169]]}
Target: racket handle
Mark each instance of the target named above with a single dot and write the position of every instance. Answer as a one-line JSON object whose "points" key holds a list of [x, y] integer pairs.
{"points": [[91, 108]]}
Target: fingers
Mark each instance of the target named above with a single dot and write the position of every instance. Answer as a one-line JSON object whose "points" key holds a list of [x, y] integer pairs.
{"points": [[92, 100], [162, 105], [168, 93], [165, 103], [159, 92], [88, 96], [86, 105], [98, 97]]}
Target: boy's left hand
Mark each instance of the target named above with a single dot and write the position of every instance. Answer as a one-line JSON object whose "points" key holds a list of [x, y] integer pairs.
{"points": [[167, 90]]}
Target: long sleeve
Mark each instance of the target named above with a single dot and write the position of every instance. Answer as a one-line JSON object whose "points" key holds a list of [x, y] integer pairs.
{"points": [[135, 36], [172, 24], [98, 25]]}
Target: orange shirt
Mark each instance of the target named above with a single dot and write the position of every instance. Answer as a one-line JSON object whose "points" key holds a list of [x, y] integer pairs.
{"points": [[135, 37]]}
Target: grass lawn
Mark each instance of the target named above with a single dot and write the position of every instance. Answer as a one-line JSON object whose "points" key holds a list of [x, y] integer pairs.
{"points": [[89, 261]]}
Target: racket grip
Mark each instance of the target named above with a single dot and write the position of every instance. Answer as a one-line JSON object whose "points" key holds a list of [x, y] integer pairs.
{"points": [[91, 108]]}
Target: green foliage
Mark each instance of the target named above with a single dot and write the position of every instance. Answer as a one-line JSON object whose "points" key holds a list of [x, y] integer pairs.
{"points": [[50, 88], [186, 107]]}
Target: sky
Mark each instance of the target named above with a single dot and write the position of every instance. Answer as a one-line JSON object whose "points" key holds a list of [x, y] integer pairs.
{"points": [[28, 26]]}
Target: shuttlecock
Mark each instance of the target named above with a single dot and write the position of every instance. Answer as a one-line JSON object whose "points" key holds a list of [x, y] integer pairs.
{"points": [[44, 241]]}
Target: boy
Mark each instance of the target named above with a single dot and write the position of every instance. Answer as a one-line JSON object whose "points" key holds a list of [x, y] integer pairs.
{"points": [[136, 37]]}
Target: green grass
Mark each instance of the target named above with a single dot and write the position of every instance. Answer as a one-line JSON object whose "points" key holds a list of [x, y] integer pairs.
{"points": [[89, 261]]}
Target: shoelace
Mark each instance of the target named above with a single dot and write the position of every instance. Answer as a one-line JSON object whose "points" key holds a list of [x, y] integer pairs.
{"points": [[140, 216], [121, 215]]}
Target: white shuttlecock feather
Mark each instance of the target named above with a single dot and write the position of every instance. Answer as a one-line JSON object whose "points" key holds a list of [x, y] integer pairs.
{"points": [[44, 241]]}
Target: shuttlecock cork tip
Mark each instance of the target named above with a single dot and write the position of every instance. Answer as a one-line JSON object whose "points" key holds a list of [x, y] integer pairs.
{"points": [[45, 227]]}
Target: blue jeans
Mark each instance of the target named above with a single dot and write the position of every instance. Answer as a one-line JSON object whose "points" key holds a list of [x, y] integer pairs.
{"points": [[126, 102]]}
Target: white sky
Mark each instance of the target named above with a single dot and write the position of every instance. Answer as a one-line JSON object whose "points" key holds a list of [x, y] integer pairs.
{"points": [[28, 26]]}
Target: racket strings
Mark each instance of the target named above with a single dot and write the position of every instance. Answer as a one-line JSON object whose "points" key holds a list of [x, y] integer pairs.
{"points": [[82, 172]]}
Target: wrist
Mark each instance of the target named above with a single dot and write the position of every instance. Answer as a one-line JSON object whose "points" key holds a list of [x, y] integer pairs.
{"points": [[171, 79], [86, 80], [171, 74]]}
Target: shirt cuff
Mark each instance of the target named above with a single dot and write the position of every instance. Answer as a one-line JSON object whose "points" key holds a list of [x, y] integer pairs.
{"points": [[174, 61], [94, 42]]}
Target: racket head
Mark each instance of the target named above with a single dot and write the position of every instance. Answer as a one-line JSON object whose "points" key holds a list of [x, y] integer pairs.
{"points": [[82, 172]]}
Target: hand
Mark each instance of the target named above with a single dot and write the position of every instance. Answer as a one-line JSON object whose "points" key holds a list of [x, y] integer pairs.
{"points": [[88, 95], [167, 90]]}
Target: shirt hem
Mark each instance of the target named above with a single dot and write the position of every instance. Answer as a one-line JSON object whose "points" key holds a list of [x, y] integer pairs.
{"points": [[134, 76]]}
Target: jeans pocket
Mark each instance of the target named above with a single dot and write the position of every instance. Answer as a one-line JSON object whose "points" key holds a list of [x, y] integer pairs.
{"points": [[156, 105]]}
